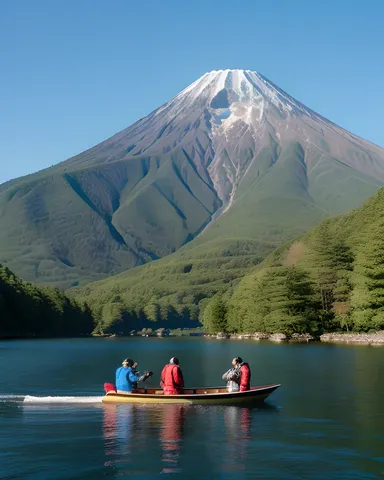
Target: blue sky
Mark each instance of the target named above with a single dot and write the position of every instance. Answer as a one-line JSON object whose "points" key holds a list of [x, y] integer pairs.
{"points": [[74, 72]]}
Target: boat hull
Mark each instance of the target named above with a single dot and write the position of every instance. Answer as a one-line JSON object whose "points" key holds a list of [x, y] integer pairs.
{"points": [[197, 396]]}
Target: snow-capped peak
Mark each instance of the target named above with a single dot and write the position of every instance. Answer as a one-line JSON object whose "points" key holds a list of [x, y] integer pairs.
{"points": [[223, 89], [240, 85]]}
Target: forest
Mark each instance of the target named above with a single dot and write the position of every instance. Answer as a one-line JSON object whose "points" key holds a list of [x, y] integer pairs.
{"points": [[331, 279], [30, 311]]}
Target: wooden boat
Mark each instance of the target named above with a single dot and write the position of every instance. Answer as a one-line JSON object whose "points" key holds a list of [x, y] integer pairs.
{"points": [[194, 396]]}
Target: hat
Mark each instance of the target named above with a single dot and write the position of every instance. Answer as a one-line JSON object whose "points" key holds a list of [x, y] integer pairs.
{"points": [[174, 361], [128, 361]]}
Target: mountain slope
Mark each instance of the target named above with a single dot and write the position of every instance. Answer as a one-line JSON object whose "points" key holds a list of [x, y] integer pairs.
{"points": [[331, 278], [342, 258], [231, 160]]}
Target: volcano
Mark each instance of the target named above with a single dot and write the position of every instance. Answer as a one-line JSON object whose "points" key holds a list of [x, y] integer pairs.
{"points": [[232, 162]]}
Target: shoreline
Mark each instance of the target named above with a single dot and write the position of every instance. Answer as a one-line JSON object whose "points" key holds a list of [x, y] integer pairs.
{"points": [[363, 339], [374, 339]]}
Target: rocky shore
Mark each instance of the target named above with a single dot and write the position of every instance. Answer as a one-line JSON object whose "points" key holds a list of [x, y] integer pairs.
{"points": [[273, 337], [375, 338]]}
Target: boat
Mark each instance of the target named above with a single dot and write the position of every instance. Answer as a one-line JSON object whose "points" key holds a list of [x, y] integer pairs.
{"points": [[191, 396]]}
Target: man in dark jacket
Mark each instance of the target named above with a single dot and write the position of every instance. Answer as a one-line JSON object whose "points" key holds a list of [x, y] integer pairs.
{"points": [[172, 381], [245, 373]]}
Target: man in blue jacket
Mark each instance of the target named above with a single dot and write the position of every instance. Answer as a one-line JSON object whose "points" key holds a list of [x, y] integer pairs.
{"points": [[126, 376]]}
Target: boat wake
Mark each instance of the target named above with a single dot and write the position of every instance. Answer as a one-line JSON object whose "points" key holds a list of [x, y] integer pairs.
{"points": [[30, 399], [91, 399], [11, 398]]}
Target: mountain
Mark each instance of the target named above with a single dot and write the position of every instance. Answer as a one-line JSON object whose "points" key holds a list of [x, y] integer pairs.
{"points": [[232, 163]]}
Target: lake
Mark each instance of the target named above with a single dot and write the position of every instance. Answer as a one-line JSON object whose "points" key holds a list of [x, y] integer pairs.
{"points": [[325, 422]]}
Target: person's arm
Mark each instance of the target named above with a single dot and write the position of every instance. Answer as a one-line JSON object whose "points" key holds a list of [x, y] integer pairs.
{"points": [[136, 377], [244, 379], [228, 375], [132, 377], [178, 377], [162, 376]]}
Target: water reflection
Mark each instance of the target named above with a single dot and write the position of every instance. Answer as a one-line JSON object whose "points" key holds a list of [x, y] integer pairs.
{"points": [[171, 436], [158, 439], [238, 423], [117, 432], [129, 427]]}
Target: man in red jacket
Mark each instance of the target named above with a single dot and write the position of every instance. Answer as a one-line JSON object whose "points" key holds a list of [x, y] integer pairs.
{"points": [[245, 379], [172, 381]]}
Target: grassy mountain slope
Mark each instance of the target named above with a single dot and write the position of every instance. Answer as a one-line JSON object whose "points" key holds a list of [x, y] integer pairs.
{"points": [[278, 207], [80, 225]]}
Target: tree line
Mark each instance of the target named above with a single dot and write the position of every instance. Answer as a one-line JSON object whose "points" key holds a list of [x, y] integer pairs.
{"points": [[30, 311]]}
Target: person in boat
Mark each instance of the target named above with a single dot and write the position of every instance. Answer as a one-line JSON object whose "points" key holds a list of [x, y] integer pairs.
{"points": [[127, 377], [245, 373], [238, 377], [172, 381], [232, 377]]}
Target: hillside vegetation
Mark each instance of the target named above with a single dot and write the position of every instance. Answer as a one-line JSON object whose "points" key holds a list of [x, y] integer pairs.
{"points": [[332, 278], [275, 208], [28, 311]]}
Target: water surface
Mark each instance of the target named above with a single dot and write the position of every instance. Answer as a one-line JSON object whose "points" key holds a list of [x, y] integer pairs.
{"points": [[325, 422]]}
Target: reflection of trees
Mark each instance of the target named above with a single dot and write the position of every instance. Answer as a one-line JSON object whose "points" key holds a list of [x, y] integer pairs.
{"points": [[366, 408]]}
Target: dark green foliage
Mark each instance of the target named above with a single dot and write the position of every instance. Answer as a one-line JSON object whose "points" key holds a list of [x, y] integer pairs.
{"points": [[330, 261], [29, 311], [279, 299], [215, 316], [367, 299], [289, 296], [335, 280]]}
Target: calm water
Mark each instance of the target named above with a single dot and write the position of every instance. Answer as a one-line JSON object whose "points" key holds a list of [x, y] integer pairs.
{"points": [[326, 422]]}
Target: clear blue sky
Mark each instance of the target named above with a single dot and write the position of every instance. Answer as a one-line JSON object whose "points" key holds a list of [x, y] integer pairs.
{"points": [[74, 72]]}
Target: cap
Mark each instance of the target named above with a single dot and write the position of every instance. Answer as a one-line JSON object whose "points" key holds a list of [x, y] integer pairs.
{"points": [[128, 361]]}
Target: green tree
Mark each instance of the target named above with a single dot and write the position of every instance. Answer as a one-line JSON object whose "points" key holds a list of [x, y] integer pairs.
{"points": [[215, 315], [330, 262], [367, 299], [290, 298], [29, 311]]}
